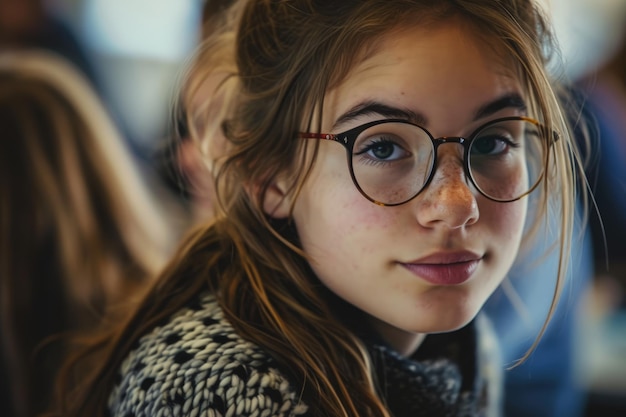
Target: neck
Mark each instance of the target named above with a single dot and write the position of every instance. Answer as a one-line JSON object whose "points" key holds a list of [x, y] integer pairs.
{"points": [[403, 342]]}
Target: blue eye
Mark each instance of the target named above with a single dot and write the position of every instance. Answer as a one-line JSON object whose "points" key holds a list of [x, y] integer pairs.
{"points": [[382, 149]]}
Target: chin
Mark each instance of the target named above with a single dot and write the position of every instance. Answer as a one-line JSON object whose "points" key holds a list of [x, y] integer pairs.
{"points": [[449, 320]]}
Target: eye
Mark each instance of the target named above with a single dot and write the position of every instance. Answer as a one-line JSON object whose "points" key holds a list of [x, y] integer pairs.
{"points": [[382, 149], [501, 137], [491, 144]]}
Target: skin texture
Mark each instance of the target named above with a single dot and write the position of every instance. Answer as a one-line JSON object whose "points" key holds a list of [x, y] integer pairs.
{"points": [[363, 252]]}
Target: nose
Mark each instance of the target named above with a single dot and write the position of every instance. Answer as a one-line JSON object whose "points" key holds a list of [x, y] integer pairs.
{"points": [[448, 200]]}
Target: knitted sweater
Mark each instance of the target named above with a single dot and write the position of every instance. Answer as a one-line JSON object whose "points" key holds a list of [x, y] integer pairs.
{"points": [[197, 365]]}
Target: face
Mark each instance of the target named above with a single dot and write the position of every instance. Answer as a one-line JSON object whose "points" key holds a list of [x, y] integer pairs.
{"points": [[198, 162], [427, 265]]}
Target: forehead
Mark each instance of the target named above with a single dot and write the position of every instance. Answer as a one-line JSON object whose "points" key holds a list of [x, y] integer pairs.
{"points": [[445, 67]]}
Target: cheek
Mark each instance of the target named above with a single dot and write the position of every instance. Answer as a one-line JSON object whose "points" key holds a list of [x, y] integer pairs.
{"points": [[363, 229], [336, 224], [516, 215], [344, 222], [506, 221], [329, 200]]}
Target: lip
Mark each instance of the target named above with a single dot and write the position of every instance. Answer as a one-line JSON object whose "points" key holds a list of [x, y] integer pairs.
{"points": [[445, 269]]}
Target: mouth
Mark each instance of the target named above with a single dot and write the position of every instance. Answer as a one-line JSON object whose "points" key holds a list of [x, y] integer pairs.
{"points": [[445, 269]]}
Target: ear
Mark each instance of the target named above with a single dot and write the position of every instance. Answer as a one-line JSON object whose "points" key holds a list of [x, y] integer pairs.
{"points": [[277, 201], [189, 159]]}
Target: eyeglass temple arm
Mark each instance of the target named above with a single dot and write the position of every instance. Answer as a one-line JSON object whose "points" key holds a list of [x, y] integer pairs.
{"points": [[325, 136]]}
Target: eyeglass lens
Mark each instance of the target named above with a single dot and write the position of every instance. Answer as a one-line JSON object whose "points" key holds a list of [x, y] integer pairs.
{"points": [[392, 162]]}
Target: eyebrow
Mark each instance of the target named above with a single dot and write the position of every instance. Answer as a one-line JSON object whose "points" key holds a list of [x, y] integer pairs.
{"points": [[372, 107], [507, 101]]}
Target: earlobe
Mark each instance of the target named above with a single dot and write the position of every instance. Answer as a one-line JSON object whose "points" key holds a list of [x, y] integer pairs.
{"points": [[277, 201]]}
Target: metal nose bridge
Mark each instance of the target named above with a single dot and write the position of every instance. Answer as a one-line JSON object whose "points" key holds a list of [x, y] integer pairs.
{"points": [[450, 139], [464, 163]]}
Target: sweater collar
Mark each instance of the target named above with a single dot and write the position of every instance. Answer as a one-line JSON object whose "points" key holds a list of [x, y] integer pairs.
{"points": [[439, 380]]}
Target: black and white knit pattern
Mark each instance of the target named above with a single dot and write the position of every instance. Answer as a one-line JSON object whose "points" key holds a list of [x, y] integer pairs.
{"points": [[196, 365]]}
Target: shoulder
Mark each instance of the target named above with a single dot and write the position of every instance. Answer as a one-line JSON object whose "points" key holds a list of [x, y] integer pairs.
{"points": [[196, 363]]}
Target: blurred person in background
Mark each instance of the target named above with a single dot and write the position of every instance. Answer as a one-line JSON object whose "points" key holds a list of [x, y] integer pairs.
{"points": [[80, 234], [185, 163]]}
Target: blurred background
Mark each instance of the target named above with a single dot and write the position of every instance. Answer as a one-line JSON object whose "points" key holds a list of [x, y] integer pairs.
{"points": [[133, 51], [136, 48]]}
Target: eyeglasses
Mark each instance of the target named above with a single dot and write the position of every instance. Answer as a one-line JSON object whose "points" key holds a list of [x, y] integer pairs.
{"points": [[392, 161]]}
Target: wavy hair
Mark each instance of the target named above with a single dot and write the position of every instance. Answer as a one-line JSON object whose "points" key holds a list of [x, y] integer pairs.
{"points": [[288, 55]]}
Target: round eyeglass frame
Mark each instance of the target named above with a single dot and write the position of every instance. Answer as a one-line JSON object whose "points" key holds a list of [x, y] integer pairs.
{"points": [[349, 137]]}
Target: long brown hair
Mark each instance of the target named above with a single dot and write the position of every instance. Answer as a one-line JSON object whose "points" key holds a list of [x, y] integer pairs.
{"points": [[78, 231], [288, 55]]}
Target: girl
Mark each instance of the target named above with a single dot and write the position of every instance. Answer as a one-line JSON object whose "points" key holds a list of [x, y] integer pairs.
{"points": [[382, 159]]}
